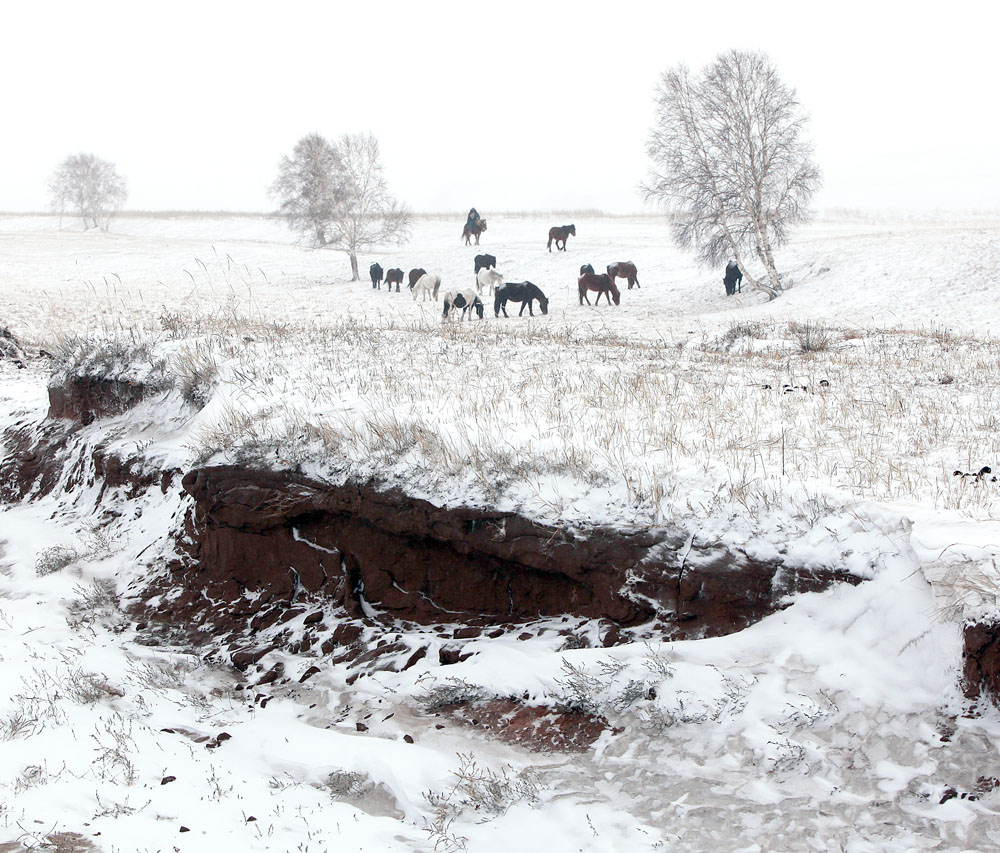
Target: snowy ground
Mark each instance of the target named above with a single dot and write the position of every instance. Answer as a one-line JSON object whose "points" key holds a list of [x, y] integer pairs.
{"points": [[837, 724]]}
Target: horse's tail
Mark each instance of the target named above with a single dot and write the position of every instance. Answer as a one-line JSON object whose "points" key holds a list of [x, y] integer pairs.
{"points": [[437, 286]]}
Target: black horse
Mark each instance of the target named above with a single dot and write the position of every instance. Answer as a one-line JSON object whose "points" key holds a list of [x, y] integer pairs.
{"points": [[485, 262], [519, 291], [733, 279], [375, 271]]}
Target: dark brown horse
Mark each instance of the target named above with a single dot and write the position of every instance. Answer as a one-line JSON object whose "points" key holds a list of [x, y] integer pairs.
{"points": [[625, 269], [602, 283], [559, 234], [414, 276], [393, 277], [473, 229]]}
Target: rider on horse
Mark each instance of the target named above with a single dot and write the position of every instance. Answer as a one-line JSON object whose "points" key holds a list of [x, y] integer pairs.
{"points": [[472, 219]]}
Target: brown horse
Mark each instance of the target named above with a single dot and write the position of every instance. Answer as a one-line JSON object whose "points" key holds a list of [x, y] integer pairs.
{"points": [[600, 282], [559, 234], [394, 276], [415, 276], [625, 269], [473, 230]]}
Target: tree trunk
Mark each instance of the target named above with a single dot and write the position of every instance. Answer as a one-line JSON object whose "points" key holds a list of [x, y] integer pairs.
{"points": [[771, 292], [767, 259], [354, 267]]}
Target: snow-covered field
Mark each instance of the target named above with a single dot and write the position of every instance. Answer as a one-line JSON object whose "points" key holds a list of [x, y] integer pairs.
{"points": [[824, 427]]}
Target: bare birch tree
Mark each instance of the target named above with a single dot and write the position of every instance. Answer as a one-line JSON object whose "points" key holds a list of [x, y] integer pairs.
{"points": [[366, 213], [90, 187], [730, 162], [336, 195]]}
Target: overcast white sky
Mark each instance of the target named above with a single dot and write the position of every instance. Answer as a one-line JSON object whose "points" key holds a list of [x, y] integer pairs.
{"points": [[501, 105]]}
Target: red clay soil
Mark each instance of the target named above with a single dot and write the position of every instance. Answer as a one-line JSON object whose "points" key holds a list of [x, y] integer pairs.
{"points": [[277, 536], [261, 547], [536, 727], [982, 661]]}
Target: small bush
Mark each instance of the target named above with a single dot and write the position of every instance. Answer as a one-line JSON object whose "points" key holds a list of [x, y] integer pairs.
{"points": [[453, 691], [744, 329], [488, 793], [196, 370], [54, 559], [811, 338]]}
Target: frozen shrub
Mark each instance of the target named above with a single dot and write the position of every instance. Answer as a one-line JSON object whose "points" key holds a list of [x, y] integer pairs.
{"points": [[453, 691], [196, 370], [484, 791], [55, 558], [811, 338]]}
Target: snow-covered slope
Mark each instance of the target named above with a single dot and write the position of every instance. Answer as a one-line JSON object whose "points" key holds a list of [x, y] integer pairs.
{"points": [[837, 724]]}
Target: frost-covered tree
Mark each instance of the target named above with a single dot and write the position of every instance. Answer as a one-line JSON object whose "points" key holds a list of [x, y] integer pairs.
{"points": [[730, 161], [90, 187], [366, 212], [306, 187], [336, 195]]}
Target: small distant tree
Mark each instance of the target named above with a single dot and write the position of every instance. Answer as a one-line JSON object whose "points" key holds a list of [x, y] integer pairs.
{"points": [[730, 162], [90, 187], [306, 187], [335, 195]]}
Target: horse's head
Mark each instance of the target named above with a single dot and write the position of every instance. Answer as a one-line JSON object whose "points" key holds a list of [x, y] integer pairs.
{"points": [[478, 307], [543, 303], [616, 294], [571, 229]]}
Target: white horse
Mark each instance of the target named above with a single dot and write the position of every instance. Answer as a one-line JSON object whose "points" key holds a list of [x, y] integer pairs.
{"points": [[488, 278], [428, 285], [467, 300]]}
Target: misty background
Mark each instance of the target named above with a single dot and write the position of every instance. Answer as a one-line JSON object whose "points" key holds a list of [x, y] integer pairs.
{"points": [[514, 106]]}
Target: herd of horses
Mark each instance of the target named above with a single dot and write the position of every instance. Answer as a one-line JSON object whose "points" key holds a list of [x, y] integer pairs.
{"points": [[469, 300], [488, 278]]}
